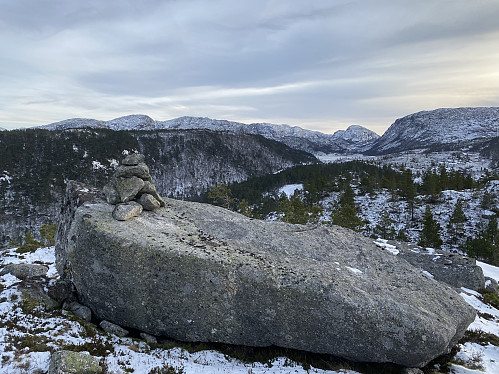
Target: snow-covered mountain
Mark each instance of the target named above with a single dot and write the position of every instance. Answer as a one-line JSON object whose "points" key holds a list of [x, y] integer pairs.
{"points": [[2, 129], [74, 123], [439, 128], [448, 128], [356, 137], [352, 140]]}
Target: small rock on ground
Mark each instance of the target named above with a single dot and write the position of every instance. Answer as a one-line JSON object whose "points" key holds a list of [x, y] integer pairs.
{"points": [[148, 338], [25, 271], [67, 362], [148, 202], [80, 311], [113, 329], [125, 211]]}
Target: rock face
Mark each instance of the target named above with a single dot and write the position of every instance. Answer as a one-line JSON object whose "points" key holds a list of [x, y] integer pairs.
{"points": [[455, 270], [196, 272]]}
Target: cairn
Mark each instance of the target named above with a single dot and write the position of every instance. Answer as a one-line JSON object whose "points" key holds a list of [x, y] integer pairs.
{"points": [[132, 189]]}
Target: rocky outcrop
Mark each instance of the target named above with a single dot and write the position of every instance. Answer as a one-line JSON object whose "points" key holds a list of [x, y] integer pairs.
{"points": [[196, 272], [453, 269]]}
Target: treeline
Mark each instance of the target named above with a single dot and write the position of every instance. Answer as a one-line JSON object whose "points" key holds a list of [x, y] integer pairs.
{"points": [[259, 198], [318, 180]]}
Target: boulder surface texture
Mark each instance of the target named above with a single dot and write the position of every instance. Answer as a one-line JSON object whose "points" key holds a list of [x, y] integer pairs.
{"points": [[197, 272]]}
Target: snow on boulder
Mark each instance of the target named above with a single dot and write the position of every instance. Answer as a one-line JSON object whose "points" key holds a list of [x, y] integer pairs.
{"points": [[196, 272]]}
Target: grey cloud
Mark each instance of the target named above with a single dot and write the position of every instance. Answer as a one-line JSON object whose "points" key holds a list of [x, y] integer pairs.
{"points": [[305, 62]]}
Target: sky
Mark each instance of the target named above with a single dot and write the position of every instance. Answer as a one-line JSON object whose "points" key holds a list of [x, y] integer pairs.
{"points": [[319, 64]]}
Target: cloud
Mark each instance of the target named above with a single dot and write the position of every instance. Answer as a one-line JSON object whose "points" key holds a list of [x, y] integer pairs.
{"points": [[319, 64]]}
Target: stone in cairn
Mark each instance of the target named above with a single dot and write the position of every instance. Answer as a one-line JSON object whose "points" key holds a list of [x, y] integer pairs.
{"points": [[131, 189]]}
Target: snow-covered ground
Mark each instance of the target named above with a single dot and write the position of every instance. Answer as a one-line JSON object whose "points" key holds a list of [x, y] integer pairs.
{"points": [[27, 338], [290, 189], [419, 161], [371, 206]]}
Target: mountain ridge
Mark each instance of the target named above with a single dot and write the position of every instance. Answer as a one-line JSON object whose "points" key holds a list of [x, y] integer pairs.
{"points": [[352, 140], [441, 127]]}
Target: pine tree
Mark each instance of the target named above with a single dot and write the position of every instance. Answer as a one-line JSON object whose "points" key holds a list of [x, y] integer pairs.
{"points": [[221, 195], [485, 246], [244, 208], [455, 228], [430, 234], [348, 196], [47, 232], [294, 210], [384, 229], [346, 213], [346, 216]]}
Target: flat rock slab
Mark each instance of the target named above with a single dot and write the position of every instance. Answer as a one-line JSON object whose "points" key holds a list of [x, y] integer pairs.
{"points": [[196, 272], [25, 271]]}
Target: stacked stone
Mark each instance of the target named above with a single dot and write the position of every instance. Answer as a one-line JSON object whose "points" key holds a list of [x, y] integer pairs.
{"points": [[131, 189]]}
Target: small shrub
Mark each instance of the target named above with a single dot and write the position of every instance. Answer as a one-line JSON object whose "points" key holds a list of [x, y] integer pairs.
{"points": [[30, 244], [491, 299], [96, 347], [47, 233], [28, 305], [479, 337], [167, 370]]}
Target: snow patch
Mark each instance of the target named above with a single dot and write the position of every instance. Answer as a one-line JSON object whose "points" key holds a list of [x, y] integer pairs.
{"points": [[290, 189], [427, 273], [382, 243], [354, 270]]}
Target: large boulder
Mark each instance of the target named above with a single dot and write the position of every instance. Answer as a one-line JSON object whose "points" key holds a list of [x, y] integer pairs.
{"points": [[197, 272]]}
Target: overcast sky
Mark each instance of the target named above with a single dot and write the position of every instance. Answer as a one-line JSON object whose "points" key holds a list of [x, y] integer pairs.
{"points": [[318, 64]]}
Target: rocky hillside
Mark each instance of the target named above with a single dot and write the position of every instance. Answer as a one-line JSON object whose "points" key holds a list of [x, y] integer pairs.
{"points": [[34, 165], [446, 128], [353, 140]]}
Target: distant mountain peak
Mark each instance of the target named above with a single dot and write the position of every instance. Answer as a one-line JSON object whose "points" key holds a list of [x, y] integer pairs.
{"points": [[357, 134], [132, 122], [437, 128]]}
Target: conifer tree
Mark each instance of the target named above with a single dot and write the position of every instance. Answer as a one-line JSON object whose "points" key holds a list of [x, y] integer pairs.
{"points": [[408, 190], [294, 210], [221, 195], [30, 244], [346, 214], [455, 228], [485, 246], [384, 229], [244, 208], [430, 234]]}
